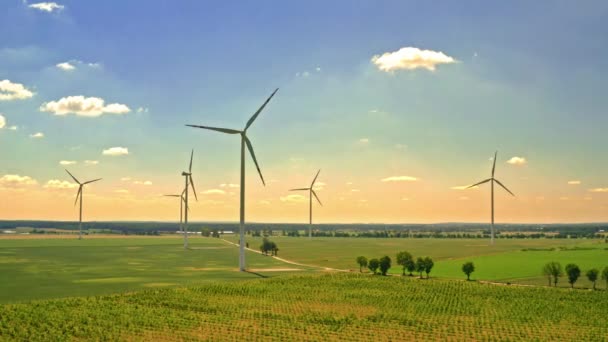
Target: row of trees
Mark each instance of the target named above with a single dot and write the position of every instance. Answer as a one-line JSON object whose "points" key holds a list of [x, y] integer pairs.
{"points": [[553, 271], [404, 259], [269, 246]]}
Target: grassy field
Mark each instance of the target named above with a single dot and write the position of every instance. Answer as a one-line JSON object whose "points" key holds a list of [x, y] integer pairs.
{"points": [[318, 307], [35, 268], [505, 261]]}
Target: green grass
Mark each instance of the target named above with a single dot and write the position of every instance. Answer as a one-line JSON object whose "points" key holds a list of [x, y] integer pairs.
{"points": [[50, 268], [314, 308]]}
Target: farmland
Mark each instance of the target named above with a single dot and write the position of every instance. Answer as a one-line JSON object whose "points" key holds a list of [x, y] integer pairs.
{"points": [[318, 307]]}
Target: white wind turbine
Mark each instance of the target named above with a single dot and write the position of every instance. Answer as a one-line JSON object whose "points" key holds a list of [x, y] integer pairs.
{"points": [[182, 200], [79, 194], [311, 192], [244, 141], [189, 181], [492, 180]]}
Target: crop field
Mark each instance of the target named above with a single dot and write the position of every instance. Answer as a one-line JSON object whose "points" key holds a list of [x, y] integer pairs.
{"points": [[509, 260], [333, 306], [37, 268]]}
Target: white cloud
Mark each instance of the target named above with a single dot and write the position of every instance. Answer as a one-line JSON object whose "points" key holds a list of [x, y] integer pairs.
{"points": [[15, 181], [142, 110], [81, 106], [91, 162], [293, 199], [125, 179], [319, 186], [121, 191], [142, 183], [12, 128], [519, 161], [58, 184], [214, 192], [2, 121], [399, 179], [38, 135], [67, 162], [364, 140], [463, 187], [116, 151], [599, 190], [574, 182], [13, 91], [410, 58], [229, 185], [66, 66], [47, 6]]}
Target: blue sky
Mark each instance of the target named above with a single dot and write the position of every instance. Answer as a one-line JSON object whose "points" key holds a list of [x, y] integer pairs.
{"points": [[528, 81]]}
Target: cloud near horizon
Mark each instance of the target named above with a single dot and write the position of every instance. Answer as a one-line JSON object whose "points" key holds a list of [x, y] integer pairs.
{"points": [[518, 161], [214, 192], [59, 184], [15, 181], [599, 190], [13, 91], [115, 151], [399, 179], [79, 105], [410, 58]]}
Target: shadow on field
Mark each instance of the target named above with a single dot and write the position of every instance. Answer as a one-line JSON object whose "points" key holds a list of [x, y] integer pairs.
{"points": [[256, 274]]}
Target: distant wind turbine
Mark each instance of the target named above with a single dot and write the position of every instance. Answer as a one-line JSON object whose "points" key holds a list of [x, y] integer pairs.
{"points": [[181, 208], [311, 192], [189, 181], [492, 180], [244, 141], [79, 194]]}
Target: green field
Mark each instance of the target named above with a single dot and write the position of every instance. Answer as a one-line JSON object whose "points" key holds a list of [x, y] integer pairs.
{"points": [[48, 268], [334, 306]]}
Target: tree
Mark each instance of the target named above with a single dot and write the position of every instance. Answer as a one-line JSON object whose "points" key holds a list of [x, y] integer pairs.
{"points": [[420, 266], [428, 266], [411, 266], [362, 261], [605, 276], [592, 275], [573, 272], [468, 268], [553, 270], [373, 265], [385, 264], [404, 259]]}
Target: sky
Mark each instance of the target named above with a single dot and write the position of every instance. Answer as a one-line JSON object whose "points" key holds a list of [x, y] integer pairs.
{"points": [[401, 104]]}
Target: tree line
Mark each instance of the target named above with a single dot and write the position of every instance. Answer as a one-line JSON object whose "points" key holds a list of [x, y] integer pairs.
{"points": [[553, 271], [404, 259]]}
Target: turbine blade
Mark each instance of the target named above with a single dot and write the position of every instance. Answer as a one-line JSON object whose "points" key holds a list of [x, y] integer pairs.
{"points": [[317, 197], [474, 185], [193, 188], [253, 156], [252, 119], [71, 175], [92, 181], [218, 129], [191, 156], [504, 187], [78, 194], [494, 165], [299, 189], [314, 180]]}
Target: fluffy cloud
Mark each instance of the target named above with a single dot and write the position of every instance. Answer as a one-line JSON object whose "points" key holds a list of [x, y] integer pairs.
{"points": [[47, 6], [16, 181], [214, 192], [364, 140], [293, 199], [66, 66], [519, 161], [91, 162], [462, 187], [13, 91], [599, 190], [574, 182], [142, 183], [83, 106], [116, 151], [125, 179], [58, 184], [229, 185], [67, 162], [399, 179], [38, 135], [2, 121], [410, 58]]}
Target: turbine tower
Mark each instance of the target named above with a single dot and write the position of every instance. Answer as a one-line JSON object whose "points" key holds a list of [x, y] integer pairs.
{"points": [[79, 194], [181, 208], [492, 180], [244, 141], [311, 192], [189, 181]]}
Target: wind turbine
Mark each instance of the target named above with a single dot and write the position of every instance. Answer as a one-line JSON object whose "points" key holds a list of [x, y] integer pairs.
{"points": [[181, 208], [79, 194], [189, 180], [311, 192], [244, 141], [492, 180]]}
